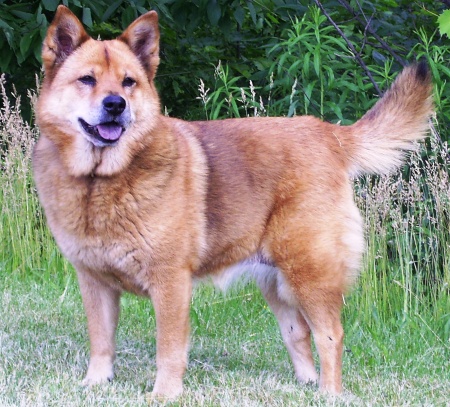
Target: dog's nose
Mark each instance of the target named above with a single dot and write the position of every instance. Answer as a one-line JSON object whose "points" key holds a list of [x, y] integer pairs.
{"points": [[114, 104]]}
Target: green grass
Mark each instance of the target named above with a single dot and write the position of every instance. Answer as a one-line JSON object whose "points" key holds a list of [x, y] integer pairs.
{"points": [[397, 318], [237, 356]]}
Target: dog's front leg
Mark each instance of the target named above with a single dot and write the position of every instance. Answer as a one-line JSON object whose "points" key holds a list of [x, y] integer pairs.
{"points": [[171, 299], [101, 303]]}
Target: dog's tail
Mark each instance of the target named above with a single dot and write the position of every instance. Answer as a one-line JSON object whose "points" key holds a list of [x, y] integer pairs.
{"points": [[388, 130]]}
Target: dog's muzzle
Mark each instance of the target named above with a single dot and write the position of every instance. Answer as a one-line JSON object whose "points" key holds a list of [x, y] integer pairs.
{"points": [[112, 123]]}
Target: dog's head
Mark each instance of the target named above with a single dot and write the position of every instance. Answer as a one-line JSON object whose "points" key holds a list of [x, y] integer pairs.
{"points": [[98, 103]]}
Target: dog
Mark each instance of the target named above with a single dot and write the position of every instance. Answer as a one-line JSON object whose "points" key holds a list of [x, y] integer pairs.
{"points": [[148, 204]]}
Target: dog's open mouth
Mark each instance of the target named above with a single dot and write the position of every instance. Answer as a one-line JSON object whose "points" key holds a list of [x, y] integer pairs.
{"points": [[106, 134]]}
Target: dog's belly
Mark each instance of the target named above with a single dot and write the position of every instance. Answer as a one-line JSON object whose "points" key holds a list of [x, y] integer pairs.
{"points": [[261, 269]]}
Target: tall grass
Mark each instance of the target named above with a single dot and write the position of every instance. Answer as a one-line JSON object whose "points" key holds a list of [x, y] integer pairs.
{"points": [[26, 245], [406, 274]]}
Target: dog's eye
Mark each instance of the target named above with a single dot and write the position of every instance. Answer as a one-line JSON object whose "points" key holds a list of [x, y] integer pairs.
{"points": [[128, 82], [88, 80]]}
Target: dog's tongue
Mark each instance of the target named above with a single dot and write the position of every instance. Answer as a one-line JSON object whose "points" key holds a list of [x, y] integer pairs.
{"points": [[110, 131]]}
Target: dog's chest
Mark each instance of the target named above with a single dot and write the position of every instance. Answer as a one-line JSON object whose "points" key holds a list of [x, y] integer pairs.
{"points": [[102, 229]]}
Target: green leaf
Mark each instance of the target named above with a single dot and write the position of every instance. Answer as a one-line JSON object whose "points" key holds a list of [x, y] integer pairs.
{"points": [[163, 10], [234, 108], [336, 109], [252, 10], [444, 23], [216, 112], [292, 107], [4, 61], [214, 12], [128, 16], [141, 10], [292, 70], [22, 15], [50, 5], [281, 62], [87, 17], [111, 9], [317, 59], [306, 61], [37, 51], [378, 57], [239, 15], [25, 43], [8, 31], [445, 70], [273, 18]]}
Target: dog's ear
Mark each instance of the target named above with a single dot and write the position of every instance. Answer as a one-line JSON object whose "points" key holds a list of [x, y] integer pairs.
{"points": [[64, 35], [142, 36]]}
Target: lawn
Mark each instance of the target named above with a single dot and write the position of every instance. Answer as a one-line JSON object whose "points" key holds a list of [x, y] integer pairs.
{"points": [[237, 357]]}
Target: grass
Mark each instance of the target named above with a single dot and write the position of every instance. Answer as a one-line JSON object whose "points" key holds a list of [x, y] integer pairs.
{"points": [[397, 318], [237, 357]]}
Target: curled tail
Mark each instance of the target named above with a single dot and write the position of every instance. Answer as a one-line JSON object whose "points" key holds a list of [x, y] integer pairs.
{"points": [[381, 137]]}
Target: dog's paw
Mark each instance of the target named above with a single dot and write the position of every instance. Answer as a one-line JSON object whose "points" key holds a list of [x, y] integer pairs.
{"points": [[169, 391], [100, 371], [89, 381], [160, 399], [307, 376]]}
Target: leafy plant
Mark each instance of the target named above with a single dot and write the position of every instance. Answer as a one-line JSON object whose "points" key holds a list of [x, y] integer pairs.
{"points": [[239, 33], [444, 23], [318, 61]]}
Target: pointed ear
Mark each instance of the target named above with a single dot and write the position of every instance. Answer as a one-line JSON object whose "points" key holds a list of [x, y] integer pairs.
{"points": [[64, 35], [142, 36]]}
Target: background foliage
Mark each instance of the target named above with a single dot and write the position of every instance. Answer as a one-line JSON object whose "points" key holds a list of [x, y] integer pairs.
{"points": [[253, 39]]}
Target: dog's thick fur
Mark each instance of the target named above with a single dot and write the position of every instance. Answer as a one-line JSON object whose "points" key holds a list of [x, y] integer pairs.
{"points": [[146, 203]]}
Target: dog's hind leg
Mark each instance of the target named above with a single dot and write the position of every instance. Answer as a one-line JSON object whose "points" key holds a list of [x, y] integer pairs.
{"points": [[101, 303], [317, 246], [312, 283], [321, 308], [315, 282], [294, 330]]}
